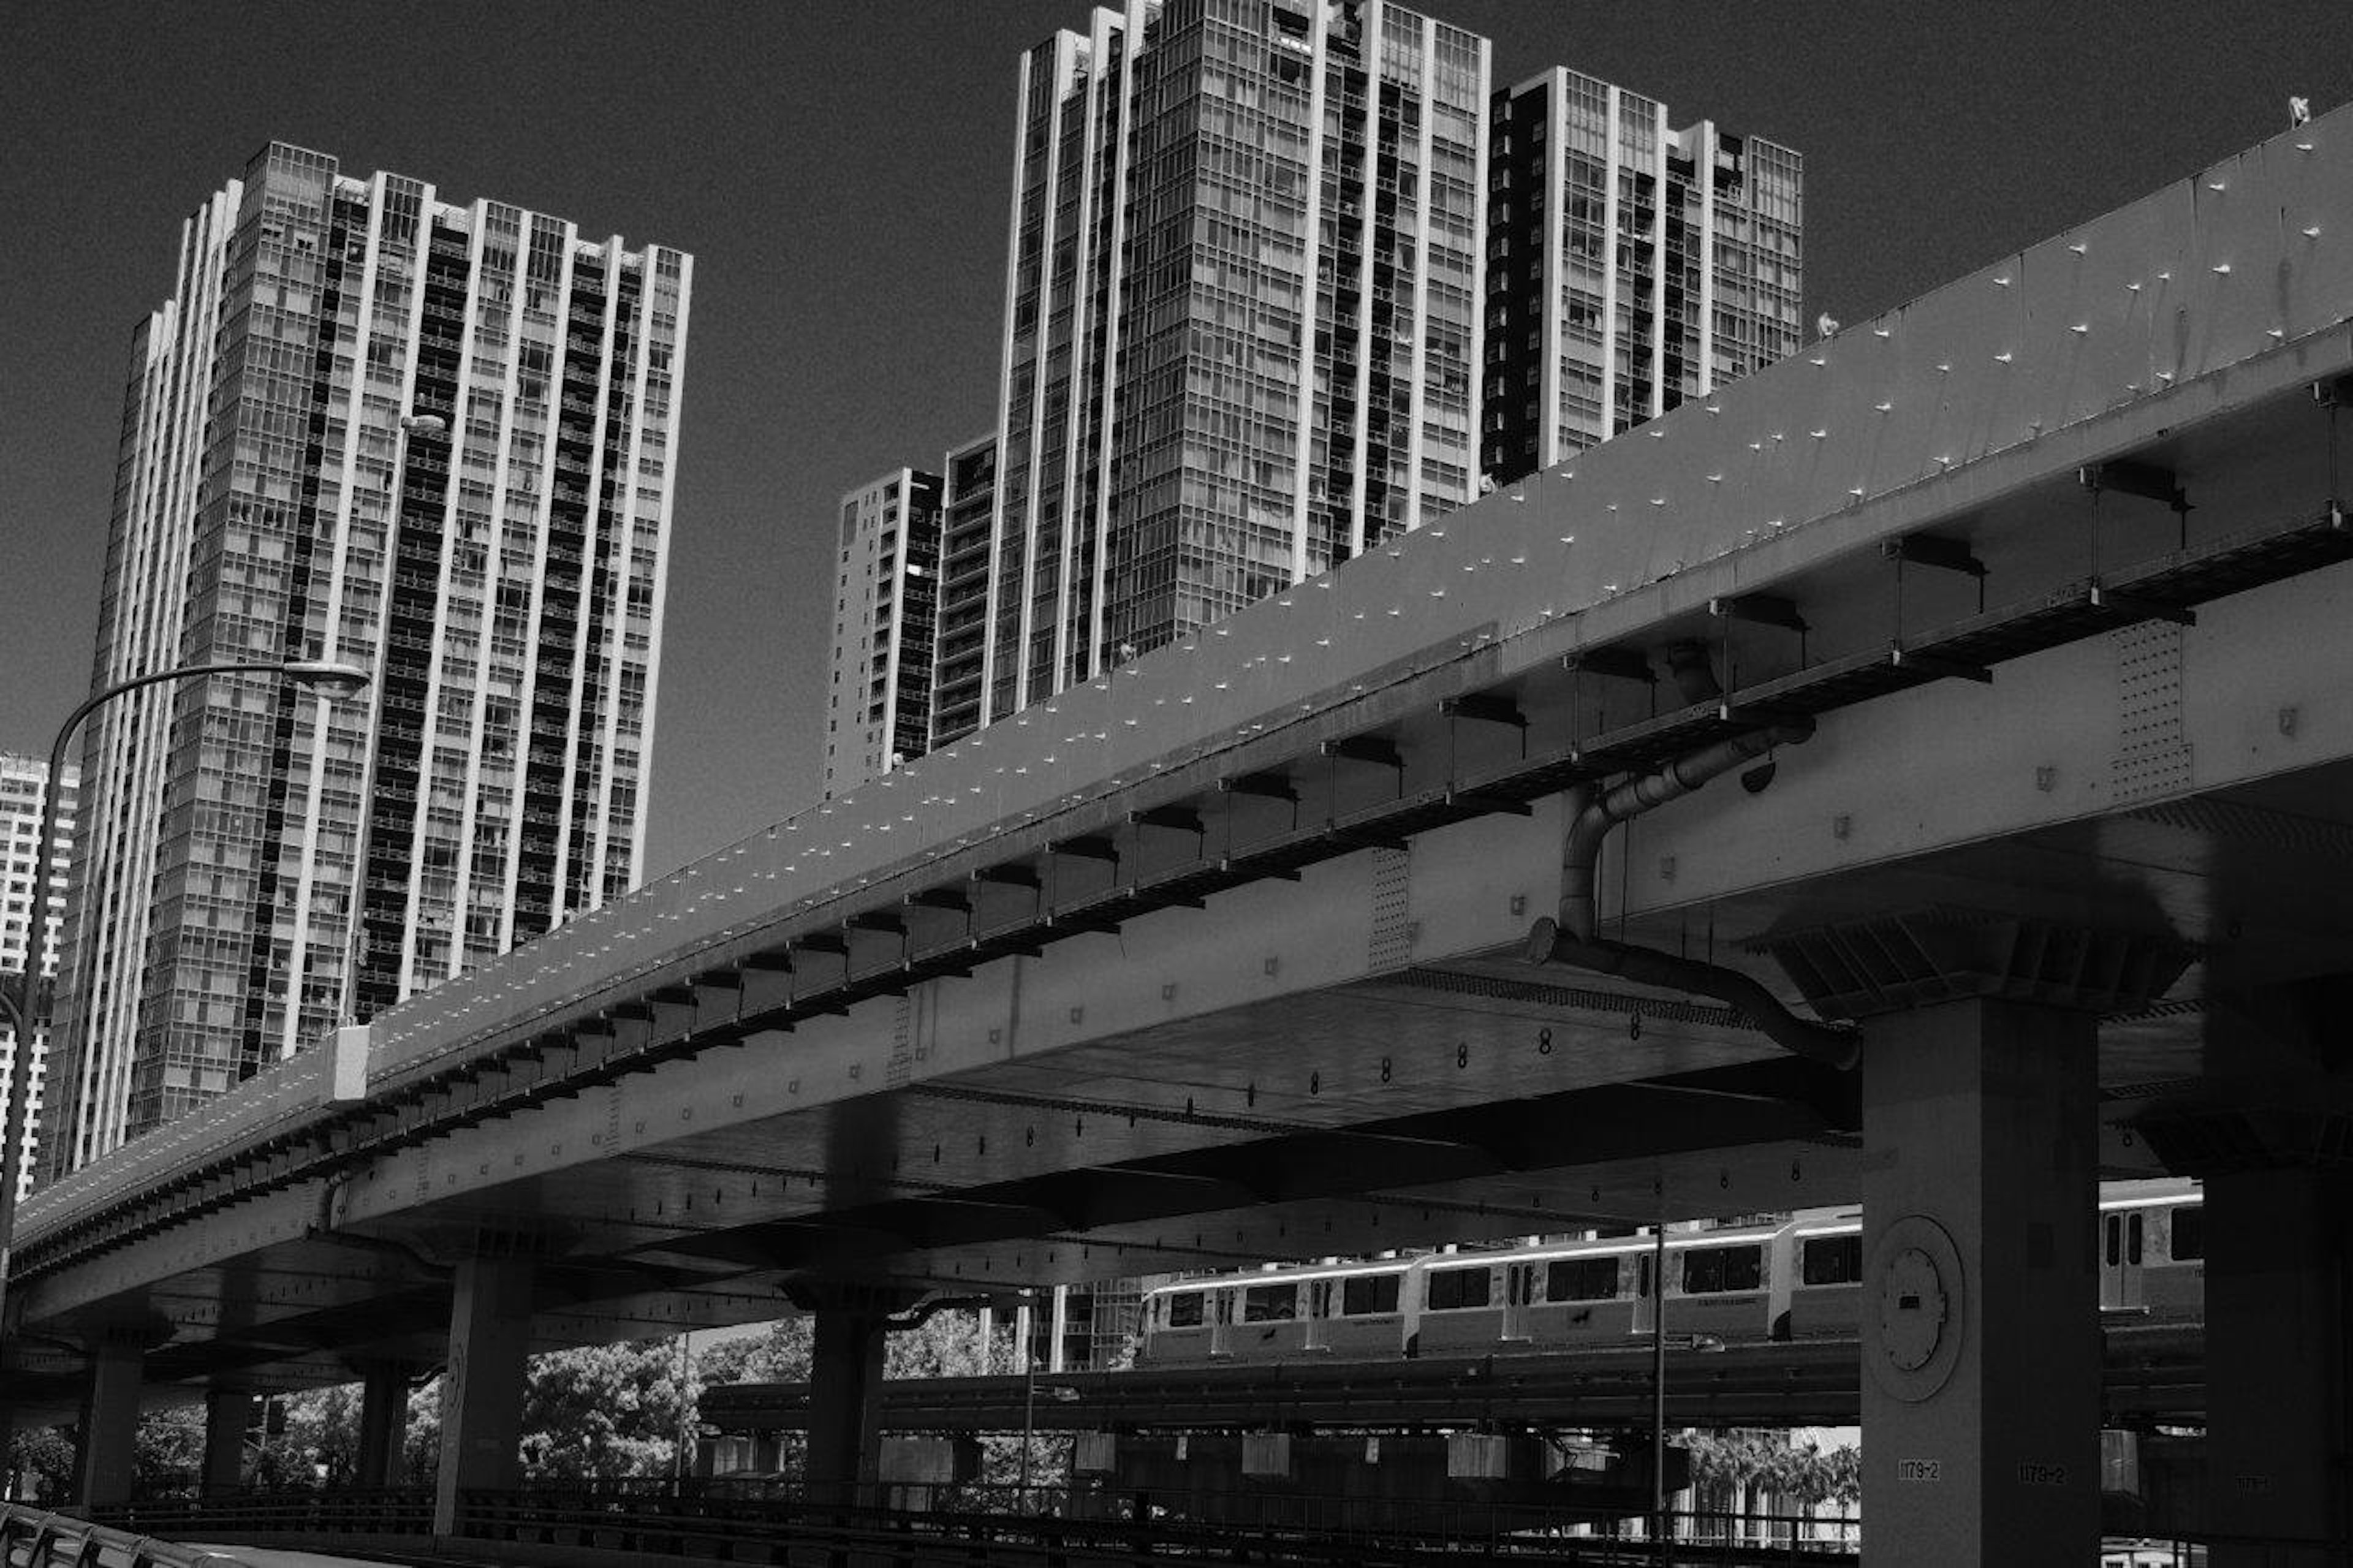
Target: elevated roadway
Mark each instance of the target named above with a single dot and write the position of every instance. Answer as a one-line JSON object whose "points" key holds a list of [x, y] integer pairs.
{"points": [[1221, 956]]}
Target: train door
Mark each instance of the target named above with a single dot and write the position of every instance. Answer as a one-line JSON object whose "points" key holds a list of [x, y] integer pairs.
{"points": [[1646, 1295], [1221, 1321], [1519, 1286], [1319, 1314], [2122, 1247]]}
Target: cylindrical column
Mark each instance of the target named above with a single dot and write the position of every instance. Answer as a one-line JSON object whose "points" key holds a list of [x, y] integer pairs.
{"points": [[228, 1414], [481, 1395], [1980, 1326], [2279, 1339], [107, 1464], [845, 1439], [384, 1424]]}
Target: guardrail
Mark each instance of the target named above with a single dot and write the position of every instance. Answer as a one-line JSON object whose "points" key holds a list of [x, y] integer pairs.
{"points": [[351, 1511], [981, 1523], [33, 1538], [1078, 1525]]}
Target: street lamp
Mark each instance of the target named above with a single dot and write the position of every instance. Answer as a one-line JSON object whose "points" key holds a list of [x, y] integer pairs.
{"points": [[29, 1009]]}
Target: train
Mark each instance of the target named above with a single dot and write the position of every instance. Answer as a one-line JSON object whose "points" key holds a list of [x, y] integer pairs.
{"points": [[1793, 1278]]}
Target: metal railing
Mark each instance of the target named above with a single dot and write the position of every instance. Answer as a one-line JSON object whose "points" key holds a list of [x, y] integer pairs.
{"points": [[33, 1538], [343, 1511], [1077, 1525], [979, 1522]]}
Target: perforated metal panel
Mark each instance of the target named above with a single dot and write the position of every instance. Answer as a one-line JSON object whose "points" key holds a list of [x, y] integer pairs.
{"points": [[2152, 756], [1392, 939]]}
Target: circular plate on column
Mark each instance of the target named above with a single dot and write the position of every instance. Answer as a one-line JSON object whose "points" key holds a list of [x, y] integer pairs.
{"points": [[1911, 1302]]}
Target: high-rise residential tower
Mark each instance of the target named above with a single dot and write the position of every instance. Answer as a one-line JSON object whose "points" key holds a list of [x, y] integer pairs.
{"points": [[878, 709], [435, 440], [24, 782], [1288, 277], [967, 508], [1241, 317], [1630, 266]]}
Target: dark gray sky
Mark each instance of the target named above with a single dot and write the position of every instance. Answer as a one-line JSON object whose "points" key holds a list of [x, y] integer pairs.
{"points": [[840, 170]]}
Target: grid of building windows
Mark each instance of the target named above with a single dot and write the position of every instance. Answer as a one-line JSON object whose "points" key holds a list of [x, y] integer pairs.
{"points": [[24, 785], [432, 440], [1630, 266], [1285, 277], [1241, 319], [886, 597]]}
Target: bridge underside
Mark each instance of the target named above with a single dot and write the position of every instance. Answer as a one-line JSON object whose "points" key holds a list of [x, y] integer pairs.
{"points": [[1472, 1097]]}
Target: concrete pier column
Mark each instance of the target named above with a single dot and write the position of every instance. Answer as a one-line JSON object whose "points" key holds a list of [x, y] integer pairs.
{"points": [[1980, 1328], [2266, 1127], [228, 1415], [845, 1436], [384, 1424], [106, 1462], [481, 1394], [2279, 1333]]}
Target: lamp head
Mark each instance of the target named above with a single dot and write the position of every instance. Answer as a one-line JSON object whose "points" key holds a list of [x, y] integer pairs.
{"points": [[326, 678]]}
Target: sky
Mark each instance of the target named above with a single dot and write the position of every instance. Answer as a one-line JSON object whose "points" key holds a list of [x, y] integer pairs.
{"points": [[841, 169]]}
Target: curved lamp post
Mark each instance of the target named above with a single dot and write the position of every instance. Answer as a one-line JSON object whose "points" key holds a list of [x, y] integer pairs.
{"points": [[29, 1009]]}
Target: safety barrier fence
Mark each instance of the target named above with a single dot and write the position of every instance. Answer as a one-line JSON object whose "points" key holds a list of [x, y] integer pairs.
{"points": [[783, 1522], [33, 1538]]}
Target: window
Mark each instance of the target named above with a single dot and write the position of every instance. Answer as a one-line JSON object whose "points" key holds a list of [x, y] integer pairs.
{"points": [[1708, 1271], [1364, 1294], [2188, 1234], [1184, 1312], [1832, 1260], [1452, 1289], [1581, 1279], [1269, 1303]]}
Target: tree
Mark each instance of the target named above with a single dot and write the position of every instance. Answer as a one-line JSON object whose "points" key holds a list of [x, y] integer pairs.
{"points": [[779, 1354], [169, 1451], [603, 1412], [319, 1444], [40, 1464]]}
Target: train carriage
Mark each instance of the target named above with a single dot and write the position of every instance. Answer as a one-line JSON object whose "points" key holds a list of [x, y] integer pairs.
{"points": [[1799, 1279]]}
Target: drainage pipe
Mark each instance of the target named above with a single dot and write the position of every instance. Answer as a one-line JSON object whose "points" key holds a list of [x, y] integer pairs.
{"points": [[1574, 940], [1832, 1047], [1595, 812]]}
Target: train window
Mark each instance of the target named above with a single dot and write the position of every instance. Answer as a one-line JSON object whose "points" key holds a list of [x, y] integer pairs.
{"points": [[2133, 1238], [2115, 1233], [1184, 1312], [2188, 1234], [1269, 1303], [1581, 1279], [1361, 1295], [1833, 1260], [1454, 1288], [1710, 1270]]}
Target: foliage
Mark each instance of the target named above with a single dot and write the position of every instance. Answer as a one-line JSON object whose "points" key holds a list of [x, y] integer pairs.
{"points": [[170, 1448], [780, 1352], [320, 1445], [43, 1459], [1802, 1471], [602, 1412]]}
